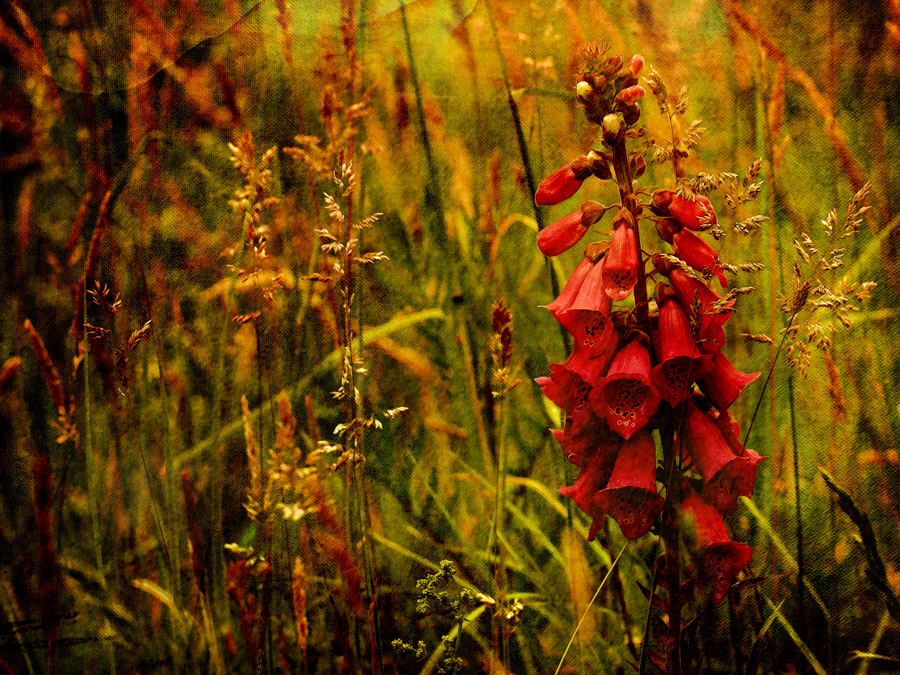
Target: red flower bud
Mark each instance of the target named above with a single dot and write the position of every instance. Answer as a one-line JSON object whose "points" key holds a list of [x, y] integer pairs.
{"points": [[631, 95], [561, 235], [698, 254], [697, 215], [636, 64], [558, 186]]}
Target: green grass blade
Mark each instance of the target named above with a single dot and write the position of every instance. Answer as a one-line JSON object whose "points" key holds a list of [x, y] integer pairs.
{"points": [[588, 608], [801, 645]]}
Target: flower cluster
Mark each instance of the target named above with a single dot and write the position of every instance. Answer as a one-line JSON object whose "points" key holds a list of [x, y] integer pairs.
{"points": [[649, 372]]}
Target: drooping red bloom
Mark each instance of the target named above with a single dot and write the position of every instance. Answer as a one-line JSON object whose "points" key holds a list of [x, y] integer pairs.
{"points": [[588, 320], [680, 361], [561, 387], [690, 291], [724, 383], [726, 475], [630, 496], [698, 254], [583, 431], [721, 558], [596, 468], [560, 185], [620, 266], [626, 399], [562, 235], [570, 290], [695, 215]]}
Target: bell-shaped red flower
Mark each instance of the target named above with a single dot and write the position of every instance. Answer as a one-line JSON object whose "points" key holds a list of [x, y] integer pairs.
{"points": [[596, 468], [698, 254], [630, 496], [620, 266], [570, 290], [588, 320], [626, 399], [726, 475], [695, 294], [562, 183], [724, 383], [680, 361], [721, 558], [695, 215], [562, 386], [562, 235]]}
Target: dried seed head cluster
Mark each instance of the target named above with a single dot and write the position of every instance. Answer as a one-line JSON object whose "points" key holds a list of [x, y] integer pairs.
{"points": [[817, 290]]}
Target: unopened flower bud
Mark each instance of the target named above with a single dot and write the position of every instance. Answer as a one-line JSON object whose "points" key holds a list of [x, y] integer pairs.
{"points": [[659, 202], [662, 265], [612, 125], [558, 186], [615, 62], [581, 167], [584, 91], [664, 292], [667, 228], [631, 114], [561, 235], [599, 166], [592, 212], [636, 64], [638, 166], [631, 95]]}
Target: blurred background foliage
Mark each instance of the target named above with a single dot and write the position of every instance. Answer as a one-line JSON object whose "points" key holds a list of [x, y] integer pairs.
{"points": [[126, 472]]}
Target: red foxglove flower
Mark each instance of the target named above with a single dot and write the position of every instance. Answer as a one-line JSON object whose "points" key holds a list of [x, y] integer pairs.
{"points": [[695, 215], [561, 387], [698, 254], [680, 362], [625, 398], [596, 468], [588, 320], [690, 291], [724, 383], [620, 265], [721, 558], [562, 235], [726, 475], [570, 290], [562, 183], [630, 496]]}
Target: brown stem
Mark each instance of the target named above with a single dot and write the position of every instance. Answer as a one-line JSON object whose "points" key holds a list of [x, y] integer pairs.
{"points": [[669, 536]]}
